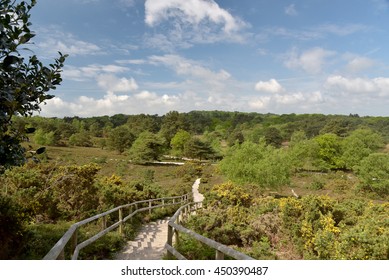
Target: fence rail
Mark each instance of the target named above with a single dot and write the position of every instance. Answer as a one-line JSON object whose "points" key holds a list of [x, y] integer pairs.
{"points": [[58, 250], [174, 228]]}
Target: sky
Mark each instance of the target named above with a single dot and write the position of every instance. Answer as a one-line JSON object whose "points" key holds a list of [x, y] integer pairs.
{"points": [[266, 56]]}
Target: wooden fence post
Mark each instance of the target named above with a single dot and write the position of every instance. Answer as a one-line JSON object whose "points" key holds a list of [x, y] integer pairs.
{"points": [[103, 222], [150, 207], [74, 241], [219, 255], [121, 221], [169, 240], [61, 255]]}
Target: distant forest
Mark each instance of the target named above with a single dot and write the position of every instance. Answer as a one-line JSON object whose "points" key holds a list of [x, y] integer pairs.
{"points": [[230, 126]]}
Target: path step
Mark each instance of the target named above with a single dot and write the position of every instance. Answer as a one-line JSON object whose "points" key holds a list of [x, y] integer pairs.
{"points": [[148, 244]]}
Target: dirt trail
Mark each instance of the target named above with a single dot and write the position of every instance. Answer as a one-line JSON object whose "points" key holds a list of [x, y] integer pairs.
{"points": [[150, 241]]}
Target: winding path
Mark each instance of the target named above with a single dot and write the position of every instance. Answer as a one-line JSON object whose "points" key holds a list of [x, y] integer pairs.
{"points": [[150, 241]]}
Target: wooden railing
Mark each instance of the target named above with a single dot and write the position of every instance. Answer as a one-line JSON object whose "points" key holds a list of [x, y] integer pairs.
{"points": [[174, 228], [58, 251]]}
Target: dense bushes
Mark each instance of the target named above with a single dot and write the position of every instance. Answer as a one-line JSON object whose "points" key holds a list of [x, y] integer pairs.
{"points": [[38, 202], [313, 227], [257, 164], [374, 173], [11, 228]]}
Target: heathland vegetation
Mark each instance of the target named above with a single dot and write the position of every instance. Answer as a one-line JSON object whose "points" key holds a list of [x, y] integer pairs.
{"points": [[250, 162], [290, 186]]}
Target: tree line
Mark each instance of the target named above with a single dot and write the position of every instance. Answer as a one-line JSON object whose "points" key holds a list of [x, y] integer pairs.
{"points": [[199, 134]]}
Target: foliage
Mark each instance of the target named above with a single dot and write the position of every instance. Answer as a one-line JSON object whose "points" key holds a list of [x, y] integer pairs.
{"points": [[303, 152], [329, 152], [235, 137], [30, 188], [11, 228], [230, 194], [24, 85], [75, 191], [189, 171], [42, 138], [172, 122], [114, 192], [196, 149], [120, 138], [273, 137], [257, 164], [147, 147], [374, 173], [359, 145], [81, 139], [325, 229], [179, 141]]}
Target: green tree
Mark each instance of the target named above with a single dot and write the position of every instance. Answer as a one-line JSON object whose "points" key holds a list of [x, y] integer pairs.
{"points": [[120, 138], [172, 122], [178, 142], [340, 126], [359, 145], [273, 137], [373, 173], [235, 137], [142, 122], [330, 151], [42, 138], [197, 149], [258, 164], [147, 147], [303, 152], [23, 85], [81, 139]]}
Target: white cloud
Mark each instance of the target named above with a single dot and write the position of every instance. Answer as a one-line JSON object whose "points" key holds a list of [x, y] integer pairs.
{"points": [[91, 71], [51, 40], [288, 102], [191, 68], [311, 61], [311, 33], [291, 10], [132, 61], [189, 22], [378, 86], [115, 84], [359, 63], [111, 104], [341, 30], [260, 103], [191, 11], [271, 86]]}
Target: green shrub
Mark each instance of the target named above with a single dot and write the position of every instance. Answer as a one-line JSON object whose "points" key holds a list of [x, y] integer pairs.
{"points": [[374, 174], [11, 228]]}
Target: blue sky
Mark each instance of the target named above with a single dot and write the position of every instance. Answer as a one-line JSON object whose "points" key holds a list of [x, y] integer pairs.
{"points": [[278, 56]]}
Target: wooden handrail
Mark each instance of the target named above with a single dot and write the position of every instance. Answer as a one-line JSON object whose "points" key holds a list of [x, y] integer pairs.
{"points": [[174, 227], [58, 250]]}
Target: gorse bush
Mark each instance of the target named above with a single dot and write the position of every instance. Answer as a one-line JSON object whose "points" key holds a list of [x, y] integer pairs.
{"points": [[315, 227], [39, 202]]}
